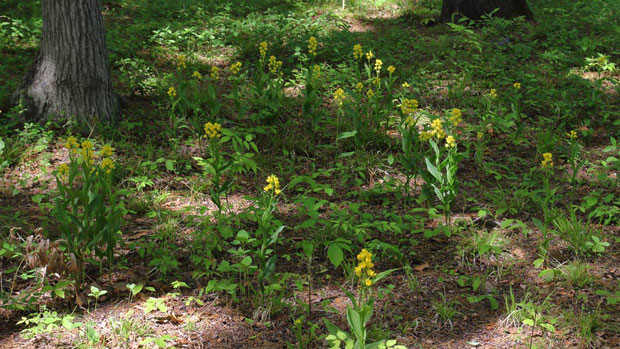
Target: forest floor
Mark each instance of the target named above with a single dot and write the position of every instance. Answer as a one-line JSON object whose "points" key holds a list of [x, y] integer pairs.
{"points": [[527, 258]]}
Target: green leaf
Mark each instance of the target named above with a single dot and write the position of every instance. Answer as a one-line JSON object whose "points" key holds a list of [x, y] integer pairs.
{"points": [[247, 261], [308, 223], [355, 321], [335, 254], [433, 170], [539, 262], [347, 135], [547, 274]]}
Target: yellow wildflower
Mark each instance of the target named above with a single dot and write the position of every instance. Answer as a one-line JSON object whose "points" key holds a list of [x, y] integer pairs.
{"points": [[357, 52], [106, 150], [71, 143], [456, 116], [273, 183], [197, 75], [376, 81], [107, 165], [87, 145], [212, 130], [63, 170], [369, 55], [359, 87], [316, 71], [493, 93], [450, 142], [181, 62], [87, 152], [370, 93], [547, 160], [363, 255], [364, 268], [274, 65], [378, 65], [391, 69], [572, 134], [235, 68], [406, 85], [425, 136], [297, 322], [517, 85], [479, 135], [312, 45], [410, 121], [262, 47], [409, 106], [172, 92], [438, 131], [339, 96], [215, 73]]}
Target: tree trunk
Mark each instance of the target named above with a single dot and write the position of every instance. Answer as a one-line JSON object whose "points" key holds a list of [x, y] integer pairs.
{"points": [[70, 80], [475, 9]]}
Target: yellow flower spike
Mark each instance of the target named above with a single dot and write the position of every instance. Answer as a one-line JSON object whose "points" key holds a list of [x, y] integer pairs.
{"points": [[172, 92], [450, 142], [425, 136], [87, 145], [106, 150], [235, 68], [492, 93], [212, 130], [197, 75], [262, 47], [273, 183], [357, 52], [358, 271], [316, 71], [63, 170], [359, 87], [437, 126], [274, 65], [215, 73], [71, 143], [456, 116], [547, 160], [409, 106], [107, 165], [312, 45], [391, 69], [378, 65], [410, 121], [517, 85], [369, 55], [181, 62], [371, 273], [572, 134], [339, 96]]}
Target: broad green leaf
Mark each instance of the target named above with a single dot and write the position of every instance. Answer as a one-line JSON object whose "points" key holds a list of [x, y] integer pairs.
{"points": [[335, 254]]}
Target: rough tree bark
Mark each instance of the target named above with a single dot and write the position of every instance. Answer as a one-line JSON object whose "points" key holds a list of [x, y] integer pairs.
{"points": [[475, 9], [70, 79]]}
